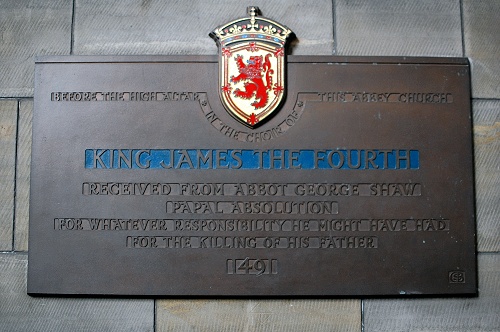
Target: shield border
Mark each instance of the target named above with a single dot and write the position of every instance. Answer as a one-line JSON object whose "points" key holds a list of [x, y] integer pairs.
{"points": [[226, 95]]}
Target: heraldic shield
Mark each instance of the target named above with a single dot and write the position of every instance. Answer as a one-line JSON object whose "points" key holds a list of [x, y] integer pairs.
{"points": [[251, 66]]}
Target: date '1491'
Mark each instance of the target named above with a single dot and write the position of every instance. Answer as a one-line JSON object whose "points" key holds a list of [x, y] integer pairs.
{"points": [[252, 266]]}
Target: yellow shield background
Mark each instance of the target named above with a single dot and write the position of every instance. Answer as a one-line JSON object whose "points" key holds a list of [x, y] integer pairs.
{"points": [[252, 80]]}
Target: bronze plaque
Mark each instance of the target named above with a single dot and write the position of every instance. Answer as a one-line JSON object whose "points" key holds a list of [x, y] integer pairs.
{"points": [[359, 183]]}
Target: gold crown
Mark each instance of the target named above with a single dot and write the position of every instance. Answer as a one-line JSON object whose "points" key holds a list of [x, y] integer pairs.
{"points": [[251, 28]]}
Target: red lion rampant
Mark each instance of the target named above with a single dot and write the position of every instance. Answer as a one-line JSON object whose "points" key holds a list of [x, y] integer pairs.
{"points": [[254, 73]]}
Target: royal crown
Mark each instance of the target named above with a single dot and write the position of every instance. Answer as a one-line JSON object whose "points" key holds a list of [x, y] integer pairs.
{"points": [[251, 28]]}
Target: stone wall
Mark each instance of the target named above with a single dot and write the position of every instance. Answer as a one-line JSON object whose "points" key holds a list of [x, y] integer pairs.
{"points": [[469, 28]]}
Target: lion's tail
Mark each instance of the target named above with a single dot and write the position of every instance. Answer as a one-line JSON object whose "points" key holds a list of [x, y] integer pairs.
{"points": [[269, 72]]}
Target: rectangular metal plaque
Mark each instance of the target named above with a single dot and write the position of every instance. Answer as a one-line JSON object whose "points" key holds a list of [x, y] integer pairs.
{"points": [[361, 183]]}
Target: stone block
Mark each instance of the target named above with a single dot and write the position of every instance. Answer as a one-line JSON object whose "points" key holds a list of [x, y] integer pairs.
{"points": [[29, 28], [442, 314], [20, 312], [487, 165], [8, 119], [182, 27], [258, 315], [23, 175], [482, 45], [395, 27]]}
